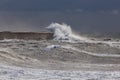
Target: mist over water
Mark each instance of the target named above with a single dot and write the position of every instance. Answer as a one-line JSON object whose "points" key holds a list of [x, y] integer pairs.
{"points": [[80, 22]]}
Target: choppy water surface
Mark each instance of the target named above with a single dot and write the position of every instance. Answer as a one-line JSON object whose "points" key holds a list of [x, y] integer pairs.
{"points": [[67, 57], [17, 73]]}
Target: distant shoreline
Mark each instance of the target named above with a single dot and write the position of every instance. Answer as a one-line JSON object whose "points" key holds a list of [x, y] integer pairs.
{"points": [[26, 35]]}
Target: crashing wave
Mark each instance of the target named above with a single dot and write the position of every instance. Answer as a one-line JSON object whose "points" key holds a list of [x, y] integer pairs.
{"points": [[64, 32]]}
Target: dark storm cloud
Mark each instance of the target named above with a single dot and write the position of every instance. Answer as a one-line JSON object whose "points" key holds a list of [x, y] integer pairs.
{"points": [[90, 5], [82, 15]]}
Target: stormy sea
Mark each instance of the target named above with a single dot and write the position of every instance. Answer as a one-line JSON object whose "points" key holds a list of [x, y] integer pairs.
{"points": [[66, 55]]}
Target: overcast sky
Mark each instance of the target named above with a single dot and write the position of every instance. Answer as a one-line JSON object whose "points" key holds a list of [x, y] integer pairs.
{"points": [[48, 5], [85, 14]]}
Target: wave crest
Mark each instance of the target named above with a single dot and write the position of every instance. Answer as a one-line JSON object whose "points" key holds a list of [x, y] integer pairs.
{"points": [[64, 32]]}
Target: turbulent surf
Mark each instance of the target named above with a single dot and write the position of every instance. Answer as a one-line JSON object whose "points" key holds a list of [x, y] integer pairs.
{"points": [[66, 56]]}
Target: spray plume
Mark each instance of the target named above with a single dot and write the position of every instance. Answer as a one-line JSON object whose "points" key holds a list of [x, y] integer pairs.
{"points": [[64, 32]]}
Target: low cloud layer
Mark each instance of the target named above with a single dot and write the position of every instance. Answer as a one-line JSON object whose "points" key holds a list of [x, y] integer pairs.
{"points": [[37, 21]]}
